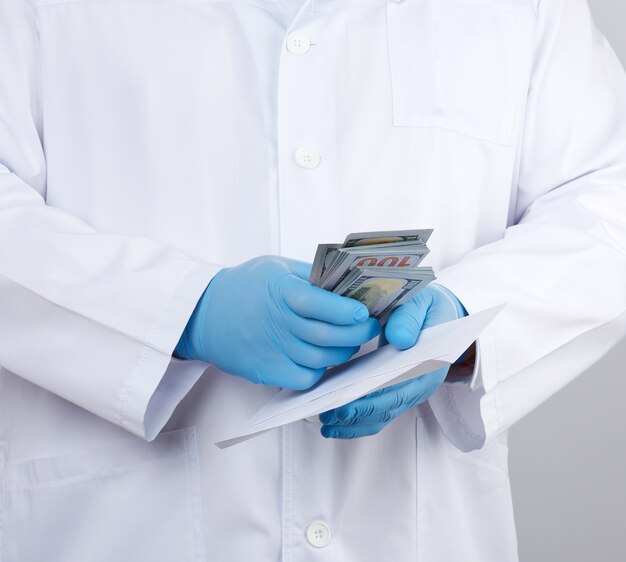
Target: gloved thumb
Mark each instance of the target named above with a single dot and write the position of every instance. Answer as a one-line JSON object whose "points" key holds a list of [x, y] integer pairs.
{"points": [[405, 324]]}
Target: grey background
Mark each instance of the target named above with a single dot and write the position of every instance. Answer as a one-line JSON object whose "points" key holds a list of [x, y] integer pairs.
{"points": [[568, 458]]}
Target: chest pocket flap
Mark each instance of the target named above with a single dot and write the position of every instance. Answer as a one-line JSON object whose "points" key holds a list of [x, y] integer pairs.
{"points": [[453, 65]]}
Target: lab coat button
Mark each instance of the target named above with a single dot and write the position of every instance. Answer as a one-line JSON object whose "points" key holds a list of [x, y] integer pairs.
{"points": [[307, 158], [318, 534], [298, 43]]}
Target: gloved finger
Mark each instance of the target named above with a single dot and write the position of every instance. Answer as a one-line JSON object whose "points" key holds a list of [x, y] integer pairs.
{"points": [[405, 324], [379, 417], [387, 399], [351, 432], [313, 302], [431, 306], [330, 416], [300, 268], [395, 399], [331, 335], [314, 356], [287, 375]]}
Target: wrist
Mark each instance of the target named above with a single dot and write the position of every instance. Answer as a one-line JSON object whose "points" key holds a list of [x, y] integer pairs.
{"points": [[191, 344], [183, 347]]}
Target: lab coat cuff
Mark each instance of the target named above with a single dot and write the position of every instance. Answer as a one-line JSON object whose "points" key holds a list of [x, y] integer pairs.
{"points": [[467, 410], [159, 381]]}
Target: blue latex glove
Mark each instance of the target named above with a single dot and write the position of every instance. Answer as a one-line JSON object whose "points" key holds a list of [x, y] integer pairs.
{"points": [[262, 320], [370, 414]]}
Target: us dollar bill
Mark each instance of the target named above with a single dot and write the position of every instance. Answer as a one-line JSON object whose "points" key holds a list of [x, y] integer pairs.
{"points": [[387, 237], [382, 289], [323, 258], [380, 269], [392, 257]]}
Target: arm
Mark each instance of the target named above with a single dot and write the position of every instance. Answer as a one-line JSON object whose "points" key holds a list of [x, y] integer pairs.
{"points": [[94, 317], [561, 265], [91, 316]]}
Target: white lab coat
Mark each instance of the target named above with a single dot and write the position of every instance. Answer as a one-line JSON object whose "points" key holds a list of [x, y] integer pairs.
{"points": [[144, 144]]}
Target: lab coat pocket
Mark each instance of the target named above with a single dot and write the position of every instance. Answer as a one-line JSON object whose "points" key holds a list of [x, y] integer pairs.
{"points": [[132, 500], [452, 65], [465, 495]]}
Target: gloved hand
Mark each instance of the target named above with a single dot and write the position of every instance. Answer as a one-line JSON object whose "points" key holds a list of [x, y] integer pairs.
{"points": [[370, 414], [262, 320]]}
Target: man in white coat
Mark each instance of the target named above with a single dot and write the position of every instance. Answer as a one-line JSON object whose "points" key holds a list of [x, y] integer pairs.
{"points": [[150, 147]]}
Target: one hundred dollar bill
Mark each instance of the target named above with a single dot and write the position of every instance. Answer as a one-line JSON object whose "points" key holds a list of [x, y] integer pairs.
{"points": [[382, 289], [387, 237], [380, 269], [323, 258], [405, 257]]}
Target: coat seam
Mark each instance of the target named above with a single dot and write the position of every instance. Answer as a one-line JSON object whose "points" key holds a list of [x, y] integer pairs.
{"points": [[148, 349]]}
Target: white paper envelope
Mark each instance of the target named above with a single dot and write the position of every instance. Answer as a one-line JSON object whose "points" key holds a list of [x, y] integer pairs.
{"points": [[436, 347]]}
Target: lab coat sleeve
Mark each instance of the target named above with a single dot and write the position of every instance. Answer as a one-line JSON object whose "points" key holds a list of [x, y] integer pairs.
{"points": [[90, 316], [561, 265]]}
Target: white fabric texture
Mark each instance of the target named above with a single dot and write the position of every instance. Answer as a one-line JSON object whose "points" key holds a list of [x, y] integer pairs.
{"points": [[144, 144]]}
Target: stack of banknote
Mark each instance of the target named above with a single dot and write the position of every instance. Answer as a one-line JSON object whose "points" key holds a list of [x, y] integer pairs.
{"points": [[379, 269]]}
